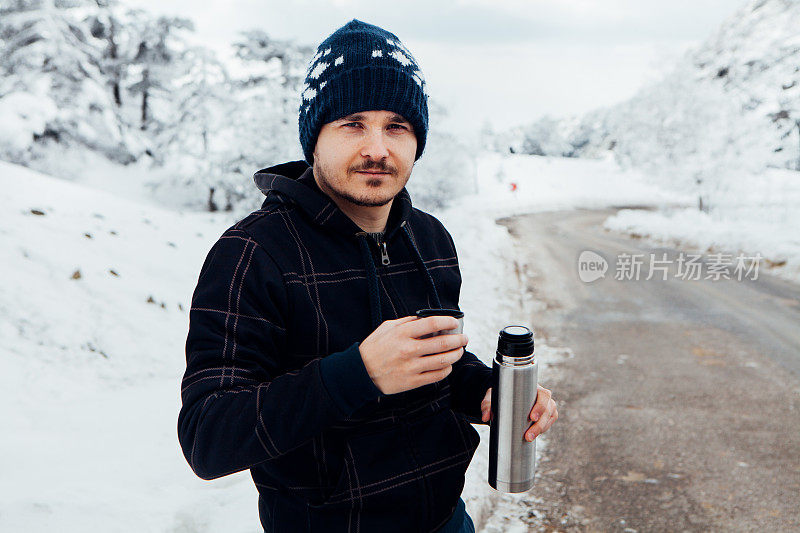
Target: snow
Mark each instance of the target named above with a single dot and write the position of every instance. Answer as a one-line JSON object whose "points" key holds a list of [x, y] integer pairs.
{"points": [[730, 102], [92, 370], [554, 183], [23, 116], [722, 126], [759, 216]]}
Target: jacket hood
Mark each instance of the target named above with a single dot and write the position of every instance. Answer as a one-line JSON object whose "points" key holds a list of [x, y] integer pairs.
{"points": [[294, 182]]}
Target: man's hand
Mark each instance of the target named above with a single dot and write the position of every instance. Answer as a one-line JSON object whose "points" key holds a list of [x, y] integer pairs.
{"points": [[543, 413], [398, 360]]}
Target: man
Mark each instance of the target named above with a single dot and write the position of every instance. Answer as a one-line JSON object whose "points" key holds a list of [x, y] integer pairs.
{"points": [[305, 362]]}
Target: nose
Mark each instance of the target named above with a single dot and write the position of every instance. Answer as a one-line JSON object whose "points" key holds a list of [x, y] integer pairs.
{"points": [[374, 146]]}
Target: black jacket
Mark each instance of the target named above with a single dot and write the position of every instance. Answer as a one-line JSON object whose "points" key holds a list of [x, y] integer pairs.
{"points": [[275, 383]]}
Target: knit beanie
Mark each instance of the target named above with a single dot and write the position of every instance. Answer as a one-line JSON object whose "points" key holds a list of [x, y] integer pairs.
{"points": [[361, 67]]}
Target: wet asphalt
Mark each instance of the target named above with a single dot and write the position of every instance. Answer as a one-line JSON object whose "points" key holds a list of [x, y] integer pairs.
{"points": [[679, 400]]}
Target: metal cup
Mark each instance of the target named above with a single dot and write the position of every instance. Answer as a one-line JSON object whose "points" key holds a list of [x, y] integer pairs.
{"points": [[459, 315]]}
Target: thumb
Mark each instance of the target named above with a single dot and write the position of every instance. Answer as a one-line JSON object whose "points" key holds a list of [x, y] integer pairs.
{"points": [[486, 406]]}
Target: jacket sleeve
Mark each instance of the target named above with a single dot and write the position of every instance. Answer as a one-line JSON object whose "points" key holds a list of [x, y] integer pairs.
{"points": [[470, 378], [240, 406]]}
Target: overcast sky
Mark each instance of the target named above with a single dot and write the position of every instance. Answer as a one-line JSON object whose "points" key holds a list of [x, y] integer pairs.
{"points": [[503, 61]]}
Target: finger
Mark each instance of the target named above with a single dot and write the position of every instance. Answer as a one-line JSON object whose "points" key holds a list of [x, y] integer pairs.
{"points": [[440, 343], [395, 322], [426, 378], [544, 422], [487, 398], [541, 403], [402, 320], [432, 363], [538, 428], [486, 406], [431, 324], [553, 415]]}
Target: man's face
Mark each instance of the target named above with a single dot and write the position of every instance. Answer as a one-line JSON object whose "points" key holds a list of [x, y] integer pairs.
{"points": [[365, 158]]}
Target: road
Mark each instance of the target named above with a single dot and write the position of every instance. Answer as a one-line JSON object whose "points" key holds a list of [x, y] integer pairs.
{"points": [[680, 402]]}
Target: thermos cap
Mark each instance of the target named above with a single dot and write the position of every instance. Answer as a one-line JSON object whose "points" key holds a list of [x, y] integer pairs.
{"points": [[515, 341], [517, 332]]}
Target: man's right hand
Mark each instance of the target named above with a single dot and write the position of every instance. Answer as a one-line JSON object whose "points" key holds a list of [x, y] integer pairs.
{"points": [[398, 360]]}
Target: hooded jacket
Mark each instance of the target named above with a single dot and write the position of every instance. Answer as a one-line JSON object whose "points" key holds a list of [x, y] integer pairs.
{"points": [[275, 382]]}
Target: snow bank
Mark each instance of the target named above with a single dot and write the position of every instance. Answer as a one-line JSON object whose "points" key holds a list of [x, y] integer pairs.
{"points": [[22, 116], [510, 185], [93, 316], [760, 215]]}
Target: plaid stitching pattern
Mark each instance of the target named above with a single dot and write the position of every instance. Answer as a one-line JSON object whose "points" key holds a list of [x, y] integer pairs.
{"points": [[215, 373], [239, 315], [351, 278], [238, 301], [407, 477], [303, 254], [389, 268], [272, 450]]}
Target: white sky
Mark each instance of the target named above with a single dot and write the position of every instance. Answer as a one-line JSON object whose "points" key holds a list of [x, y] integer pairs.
{"points": [[507, 61]]}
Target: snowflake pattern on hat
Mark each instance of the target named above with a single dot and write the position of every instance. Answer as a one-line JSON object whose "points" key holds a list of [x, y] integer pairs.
{"points": [[319, 64]]}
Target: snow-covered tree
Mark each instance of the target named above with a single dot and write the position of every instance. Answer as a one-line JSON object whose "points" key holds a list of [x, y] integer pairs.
{"points": [[195, 139], [263, 54], [728, 108], [225, 127], [447, 168], [94, 76], [48, 61], [159, 56], [545, 137], [108, 27]]}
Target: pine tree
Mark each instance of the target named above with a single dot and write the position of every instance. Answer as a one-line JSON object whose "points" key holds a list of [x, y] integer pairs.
{"points": [[50, 55], [108, 26], [160, 48]]}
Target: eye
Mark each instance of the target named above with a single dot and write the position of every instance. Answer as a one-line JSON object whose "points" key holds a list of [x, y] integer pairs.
{"points": [[399, 126], [352, 124]]}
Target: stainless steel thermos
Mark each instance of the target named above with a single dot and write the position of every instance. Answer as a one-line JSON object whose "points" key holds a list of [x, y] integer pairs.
{"points": [[512, 459]]}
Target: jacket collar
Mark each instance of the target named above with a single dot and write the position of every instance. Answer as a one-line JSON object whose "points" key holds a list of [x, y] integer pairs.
{"points": [[294, 181]]}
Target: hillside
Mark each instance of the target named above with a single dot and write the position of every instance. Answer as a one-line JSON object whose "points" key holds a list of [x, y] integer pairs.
{"points": [[730, 105]]}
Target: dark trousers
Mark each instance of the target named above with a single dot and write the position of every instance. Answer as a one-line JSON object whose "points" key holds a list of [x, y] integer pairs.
{"points": [[460, 522]]}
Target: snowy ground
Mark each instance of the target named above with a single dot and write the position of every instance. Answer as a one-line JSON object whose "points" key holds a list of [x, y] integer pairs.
{"points": [[93, 316], [756, 216]]}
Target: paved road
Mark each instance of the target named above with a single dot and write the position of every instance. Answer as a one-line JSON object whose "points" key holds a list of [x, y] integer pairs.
{"points": [[680, 404]]}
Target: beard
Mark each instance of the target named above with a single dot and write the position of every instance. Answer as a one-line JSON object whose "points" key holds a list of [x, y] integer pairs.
{"points": [[365, 199]]}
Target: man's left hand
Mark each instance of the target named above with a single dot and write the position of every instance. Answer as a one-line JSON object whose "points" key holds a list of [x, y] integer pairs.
{"points": [[543, 413]]}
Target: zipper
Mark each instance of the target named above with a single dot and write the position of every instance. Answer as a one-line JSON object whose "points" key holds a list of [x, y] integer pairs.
{"points": [[381, 247], [385, 261], [384, 253]]}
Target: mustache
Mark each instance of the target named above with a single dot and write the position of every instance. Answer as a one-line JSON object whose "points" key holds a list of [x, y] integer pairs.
{"points": [[376, 166]]}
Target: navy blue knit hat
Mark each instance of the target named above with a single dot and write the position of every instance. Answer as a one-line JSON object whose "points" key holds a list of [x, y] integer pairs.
{"points": [[361, 67]]}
